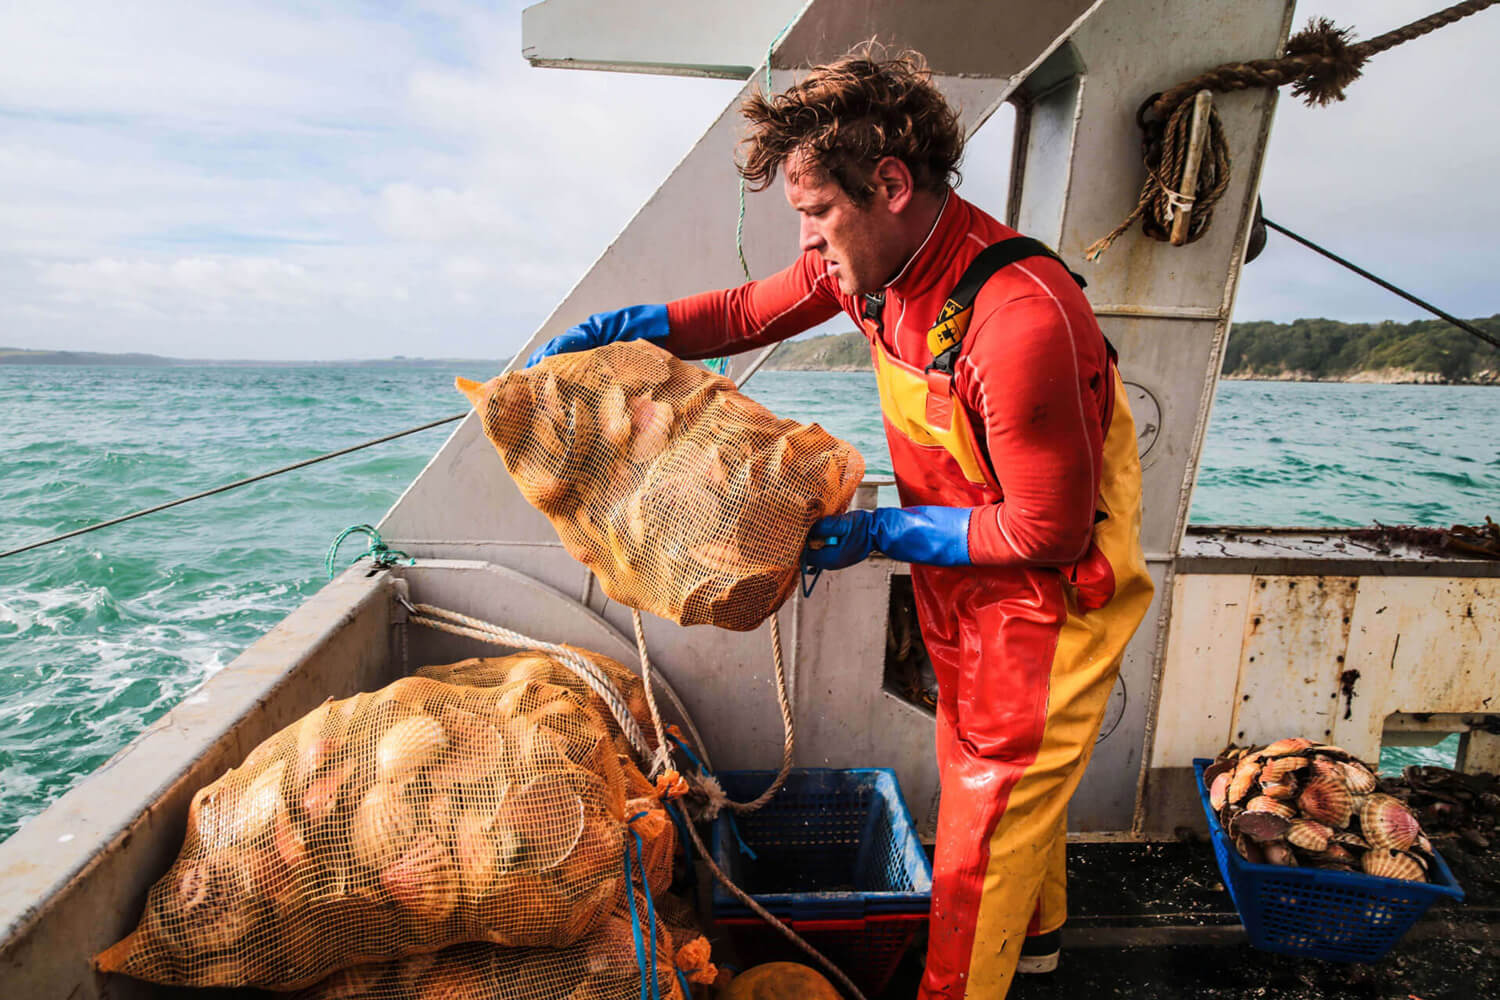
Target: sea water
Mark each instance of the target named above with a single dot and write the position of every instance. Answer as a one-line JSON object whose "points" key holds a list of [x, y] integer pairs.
{"points": [[101, 634]]}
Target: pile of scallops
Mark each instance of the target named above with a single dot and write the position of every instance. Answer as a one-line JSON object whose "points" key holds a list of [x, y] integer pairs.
{"points": [[1296, 802]]}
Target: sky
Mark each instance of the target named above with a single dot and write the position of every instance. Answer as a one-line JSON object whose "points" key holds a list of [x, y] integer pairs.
{"points": [[255, 179]]}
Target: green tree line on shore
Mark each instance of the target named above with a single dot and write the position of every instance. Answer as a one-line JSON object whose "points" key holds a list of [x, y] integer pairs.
{"points": [[1308, 348], [1326, 348]]}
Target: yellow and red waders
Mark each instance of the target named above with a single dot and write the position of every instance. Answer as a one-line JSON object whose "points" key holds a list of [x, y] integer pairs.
{"points": [[1024, 672]]}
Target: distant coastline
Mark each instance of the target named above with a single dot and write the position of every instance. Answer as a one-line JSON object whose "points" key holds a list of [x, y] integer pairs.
{"points": [[1425, 352], [24, 356]]}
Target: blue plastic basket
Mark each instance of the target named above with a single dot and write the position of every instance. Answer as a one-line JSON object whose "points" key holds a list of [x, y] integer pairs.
{"points": [[1339, 916], [832, 845]]}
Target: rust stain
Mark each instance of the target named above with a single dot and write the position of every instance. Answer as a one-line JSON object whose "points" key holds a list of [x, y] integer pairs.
{"points": [[1346, 687]]}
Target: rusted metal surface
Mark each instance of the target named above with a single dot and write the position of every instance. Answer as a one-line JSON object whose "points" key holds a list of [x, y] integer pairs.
{"points": [[1312, 551], [1332, 657], [1296, 631]]}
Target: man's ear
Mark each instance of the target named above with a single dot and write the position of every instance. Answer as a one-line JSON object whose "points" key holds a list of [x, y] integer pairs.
{"points": [[893, 183]]}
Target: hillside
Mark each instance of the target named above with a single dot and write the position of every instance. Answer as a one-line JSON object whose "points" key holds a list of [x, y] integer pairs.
{"points": [[27, 356], [838, 352], [1327, 350], [1305, 350]]}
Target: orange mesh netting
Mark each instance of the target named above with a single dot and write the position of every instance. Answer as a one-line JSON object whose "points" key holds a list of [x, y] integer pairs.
{"points": [[604, 966], [491, 671], [402, 821], [686, 498]]}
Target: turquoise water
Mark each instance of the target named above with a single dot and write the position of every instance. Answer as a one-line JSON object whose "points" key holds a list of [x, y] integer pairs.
{"points": [[101, 634]]}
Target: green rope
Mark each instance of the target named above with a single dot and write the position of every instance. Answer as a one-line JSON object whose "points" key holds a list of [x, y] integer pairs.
{"points": [[721, 365], [380, 555]]}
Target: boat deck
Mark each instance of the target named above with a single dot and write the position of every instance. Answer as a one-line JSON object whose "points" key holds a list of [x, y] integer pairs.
{"points": [[1153, 920]]}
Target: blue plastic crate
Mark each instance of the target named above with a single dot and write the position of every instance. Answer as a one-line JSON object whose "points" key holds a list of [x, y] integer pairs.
{"points": [[1339, 916], [832, 845]]}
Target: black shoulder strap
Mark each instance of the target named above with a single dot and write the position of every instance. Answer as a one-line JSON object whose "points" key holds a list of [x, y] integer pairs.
{"points": [[946, 337]]}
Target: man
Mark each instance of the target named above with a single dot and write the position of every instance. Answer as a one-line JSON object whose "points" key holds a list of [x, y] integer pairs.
{"points": [[1014, 454]]}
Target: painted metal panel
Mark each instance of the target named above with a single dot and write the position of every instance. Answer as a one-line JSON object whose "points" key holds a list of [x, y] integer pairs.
{"points": [[1157, 356], [990, 38], [677, 37], [1295, 637], [998, 39], [1200, 674], [1419, 645]]}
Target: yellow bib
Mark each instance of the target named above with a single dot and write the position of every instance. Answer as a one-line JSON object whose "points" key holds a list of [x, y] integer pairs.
{"points": [[920, 405]]}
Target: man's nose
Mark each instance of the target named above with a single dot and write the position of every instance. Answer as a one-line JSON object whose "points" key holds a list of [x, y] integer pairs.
{"points": [[809, 237]]}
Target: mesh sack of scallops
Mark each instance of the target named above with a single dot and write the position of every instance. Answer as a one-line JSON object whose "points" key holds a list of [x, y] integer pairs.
{"points": [[607, 965], [1297, 802], [401, 821], [686, 498], [611, 963], [544, 668]]}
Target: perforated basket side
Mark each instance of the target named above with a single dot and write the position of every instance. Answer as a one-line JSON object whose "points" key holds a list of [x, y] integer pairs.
{"points": [[831, 844]]}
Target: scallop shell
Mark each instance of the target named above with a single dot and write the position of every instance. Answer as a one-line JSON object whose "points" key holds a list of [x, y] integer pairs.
{"points": [[1327, 800], [1323, 767], [1250, 850], [1386, 862], [1221, 766], [1278, 853], [1335, 854], [408, 745], [1244, 779], [1218, 790], [383, 824], [1281, 768], [1349, 838], [1360, 779], [255, 809], [1292, 744], [1279, 789], [1387, 822], [1264, 803], [322, 794], [423, 880], [1261, 826], [1309, 834]]}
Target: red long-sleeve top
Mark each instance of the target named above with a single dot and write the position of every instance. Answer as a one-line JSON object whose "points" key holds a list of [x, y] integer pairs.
{"points": [[1032, 374]]}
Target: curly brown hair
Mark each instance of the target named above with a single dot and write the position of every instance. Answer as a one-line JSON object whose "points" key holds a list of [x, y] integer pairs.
{"points": [[848, 115]]}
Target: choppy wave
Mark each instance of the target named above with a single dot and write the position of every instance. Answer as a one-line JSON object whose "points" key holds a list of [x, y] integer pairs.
{"points": [[102, 634]]}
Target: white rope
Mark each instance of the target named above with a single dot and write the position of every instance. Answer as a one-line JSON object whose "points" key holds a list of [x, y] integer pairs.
{"points": [[596, 679]]}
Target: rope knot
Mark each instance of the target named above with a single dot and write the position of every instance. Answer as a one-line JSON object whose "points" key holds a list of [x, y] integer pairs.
{"points": [[381, 556], [671, 785]]}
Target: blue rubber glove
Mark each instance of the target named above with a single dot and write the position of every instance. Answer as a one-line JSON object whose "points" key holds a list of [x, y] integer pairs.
{"points": [[630, 323], [933, 536]]}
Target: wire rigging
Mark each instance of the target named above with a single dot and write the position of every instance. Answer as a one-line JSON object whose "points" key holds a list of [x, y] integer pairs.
{"points": [[1464, 325], [234, 485]]}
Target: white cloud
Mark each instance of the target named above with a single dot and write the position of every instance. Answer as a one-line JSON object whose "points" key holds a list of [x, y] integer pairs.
{"points": [[259, 179]]}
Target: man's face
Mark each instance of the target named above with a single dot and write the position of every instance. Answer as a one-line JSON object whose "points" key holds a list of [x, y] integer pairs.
{"points": [[862, 244]]}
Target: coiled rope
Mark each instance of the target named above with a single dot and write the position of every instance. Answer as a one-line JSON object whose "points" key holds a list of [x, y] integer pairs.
{"points": [[1320, 62]]}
